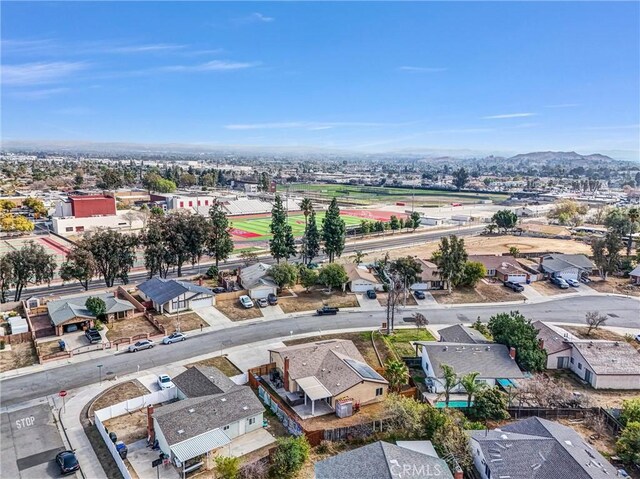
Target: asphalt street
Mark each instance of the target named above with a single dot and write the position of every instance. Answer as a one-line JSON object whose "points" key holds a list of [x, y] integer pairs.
{"points": [[622, 312]]}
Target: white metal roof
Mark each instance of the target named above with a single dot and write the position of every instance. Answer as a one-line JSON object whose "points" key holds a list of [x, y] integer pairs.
{"points": [[313, 388], [201, 444]]}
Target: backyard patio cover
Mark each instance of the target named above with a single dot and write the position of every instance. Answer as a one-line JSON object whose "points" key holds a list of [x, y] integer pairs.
{"points": [[201, 444], [313, 388]]}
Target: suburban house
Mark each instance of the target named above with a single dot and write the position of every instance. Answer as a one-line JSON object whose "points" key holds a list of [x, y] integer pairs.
{"points": [[429, 278], [634, 275], [361, 279], [256, 280], [383, 460], [212, 412], [531, 211], [567, 266], [536, 448], [71, 314], [554, 341], [327, 371], [462, 334], [171, 296], [503, 268], [606, 364], [495, 363]]}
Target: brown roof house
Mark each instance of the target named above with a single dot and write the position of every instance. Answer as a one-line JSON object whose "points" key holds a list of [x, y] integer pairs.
{"points": [[429, 278], [361, 279], [315, 377], [555, 341], [503, 268]]}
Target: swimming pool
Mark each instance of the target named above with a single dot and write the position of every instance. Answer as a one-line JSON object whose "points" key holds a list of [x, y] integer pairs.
{"points": [[453, 404]]}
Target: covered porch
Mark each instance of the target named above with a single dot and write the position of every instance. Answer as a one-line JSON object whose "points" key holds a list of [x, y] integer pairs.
{"points": [[313, 391]]}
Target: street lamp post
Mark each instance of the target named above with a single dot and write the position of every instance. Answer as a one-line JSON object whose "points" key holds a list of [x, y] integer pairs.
{"points": [[100, 373]]}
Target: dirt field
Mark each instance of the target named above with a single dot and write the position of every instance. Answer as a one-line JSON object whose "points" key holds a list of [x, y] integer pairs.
{"points": [[496, 292], [48, 347], [549, 289], [605, 398], [129, 427], [20, 356], [411, 300], [604, 443], [361, 340], [489, 245], [315, 299], [119, 393], [615, 285], [222, 363], [233, 310], [581, 332], [126, 328], [482, 293], [188, 322]]}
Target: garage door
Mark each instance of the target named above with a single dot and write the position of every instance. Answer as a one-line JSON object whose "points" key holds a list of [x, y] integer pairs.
{"points": [[360, 286], [260, 293], [518, 278], [200, 303]]}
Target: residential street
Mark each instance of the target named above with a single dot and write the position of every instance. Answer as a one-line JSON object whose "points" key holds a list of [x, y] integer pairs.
{"points": [[622, 311]]}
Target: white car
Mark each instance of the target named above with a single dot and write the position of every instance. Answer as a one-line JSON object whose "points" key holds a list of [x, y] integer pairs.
{"points": [[246, 301], [165, 382], [638, 337], [174, 338], [140, 345]]}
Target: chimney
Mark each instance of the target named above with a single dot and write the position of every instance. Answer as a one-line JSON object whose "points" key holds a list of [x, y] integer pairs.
{"points": [[458, 474], [286, 374], [541, 343], [151, 433], [512, 353], [200, 282]]}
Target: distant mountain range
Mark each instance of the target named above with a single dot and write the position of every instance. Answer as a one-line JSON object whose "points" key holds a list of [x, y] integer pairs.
{"points": [[550, 156]]}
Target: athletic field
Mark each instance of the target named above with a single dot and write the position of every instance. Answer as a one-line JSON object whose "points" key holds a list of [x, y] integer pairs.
{"points": [[258, 228]]}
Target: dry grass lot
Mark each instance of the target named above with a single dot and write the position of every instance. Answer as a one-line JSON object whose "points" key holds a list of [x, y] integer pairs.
{"points": [[129, 427], [118, 393], [615, 285], [497, 292], [581, 332], [604, 443], [233, 310], [188, 322], [549, 289], [605, 398], [20, 356], [126, 328], [221, 362], [400, 340], [315, 299], [411, 300], [48, 347]]}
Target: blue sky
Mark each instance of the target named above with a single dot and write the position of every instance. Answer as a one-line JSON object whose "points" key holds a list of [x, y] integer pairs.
{"points": [[367, 76]]}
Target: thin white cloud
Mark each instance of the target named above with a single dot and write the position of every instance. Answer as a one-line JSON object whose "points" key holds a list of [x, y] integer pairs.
{"points": [[255, 17], [261, 18], [309, 125], [25, 46], [508, 115], [38, 94], [563, 105], [407, 68], [214, 65], [39, 72], [145, 48]]}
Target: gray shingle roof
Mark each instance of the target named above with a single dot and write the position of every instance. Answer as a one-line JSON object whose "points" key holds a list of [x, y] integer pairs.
{"points": [[492, 361], [63, 310], [381, 460], [256, 275], [609, 357], [558, 262], [201, 381], [461, 334], [553, 341], [161, 290], [535, 448], [199, 415]]}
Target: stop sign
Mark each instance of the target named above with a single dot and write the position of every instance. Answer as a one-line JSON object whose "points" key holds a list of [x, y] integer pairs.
{"points": [[62, 393]]}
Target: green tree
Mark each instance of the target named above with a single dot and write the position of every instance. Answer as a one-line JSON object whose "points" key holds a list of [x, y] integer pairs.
{"points": [[396, 372], [306, 205], [156, 183], [284, 274], [290, 455], [114, 253], [158, 255], [308, 277], [6, 277], [80, 266], [96, 306], [36, 205], [282, 244], [407, 268], [606, 253], [7, 205], [333, 275], [394, 224], [630, 411], [333, 231], [219, 242], [365, 227], [227, 467], [111, 179], [420, 320], [414, 220], [514, 251], [460, 178], [30, 265], [628, 445], [451, 258], [505, 220], [450, 381], [471, 387], [473, 272], [358, 257], [490, 404], [568, 212], [78, 180], [515, 331], [265, 182], [633, 214], [185, 237], [310, 240], [249, 257]]}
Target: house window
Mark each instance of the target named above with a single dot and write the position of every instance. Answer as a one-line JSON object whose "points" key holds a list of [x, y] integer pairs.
{"points": [[79, 228], [206, 202], [579, 365], [198, 202], [182, 204], [571, 360], [379, 391], [226, 428], [252, 421], [69, 228]]}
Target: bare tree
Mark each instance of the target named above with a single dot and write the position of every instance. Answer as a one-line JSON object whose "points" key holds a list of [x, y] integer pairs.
{"points": [[594, 320], [421, 320]]}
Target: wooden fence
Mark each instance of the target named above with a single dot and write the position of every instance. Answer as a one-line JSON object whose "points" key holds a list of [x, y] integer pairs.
{"points": [[160, 327], [567, 413], [231, 295]]}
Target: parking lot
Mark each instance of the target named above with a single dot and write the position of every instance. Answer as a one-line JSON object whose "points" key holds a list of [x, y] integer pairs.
{"points": [[29, 442]]}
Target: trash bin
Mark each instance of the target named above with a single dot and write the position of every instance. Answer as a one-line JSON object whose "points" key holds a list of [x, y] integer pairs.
{"points": [[113, 437], [61, 344], [121, 447]]}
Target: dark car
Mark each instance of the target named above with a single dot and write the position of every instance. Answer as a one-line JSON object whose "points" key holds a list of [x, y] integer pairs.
{"points": [[93, 335], [518, 288], [371, 294], [219, 289], [67, 462], [326, 310], [272, 298], [419, 294]]}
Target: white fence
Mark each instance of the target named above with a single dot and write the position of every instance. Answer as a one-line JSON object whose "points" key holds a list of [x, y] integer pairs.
{"points": [[135, 404], [240, 379], [112, 449]]}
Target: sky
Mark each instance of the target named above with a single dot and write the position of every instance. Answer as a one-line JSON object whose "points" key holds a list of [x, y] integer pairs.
{"points": [[481, 76]]}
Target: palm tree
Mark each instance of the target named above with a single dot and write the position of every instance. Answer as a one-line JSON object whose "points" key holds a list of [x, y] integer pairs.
{"points": [[634, 215], [396, 372], [450, 382], [358, 257], [306, 205], [468, 382]]}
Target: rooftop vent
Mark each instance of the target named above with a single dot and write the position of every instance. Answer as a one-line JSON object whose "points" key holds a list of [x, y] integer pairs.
{"points": [[244, 408], [180, 431], [568, 443], [223, 399], [192, 410]]}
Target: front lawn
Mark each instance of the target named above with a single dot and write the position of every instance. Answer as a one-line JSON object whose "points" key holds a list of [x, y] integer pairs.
{"points": [[400, 340], [233, 310], [127, 328]]}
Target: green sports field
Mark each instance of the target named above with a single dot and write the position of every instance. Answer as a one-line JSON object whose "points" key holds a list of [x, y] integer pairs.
{"points": [[258, 228]]}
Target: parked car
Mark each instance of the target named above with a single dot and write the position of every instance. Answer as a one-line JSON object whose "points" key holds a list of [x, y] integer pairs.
{"points": [[371, 294], [518, 288], [638, 337], [326, 310], [262, 302], [559, 282], [219, 289], [67, 462], [273, 299], [140, 345], [572, 282], [313, 265], [585, 279], [419, 295], [165, 382], [93, 335], [174, 338], [246, 301]]}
